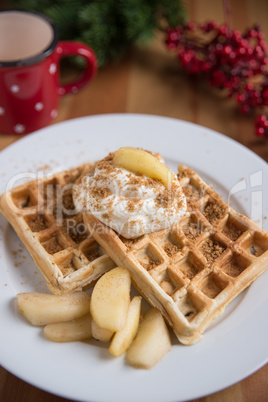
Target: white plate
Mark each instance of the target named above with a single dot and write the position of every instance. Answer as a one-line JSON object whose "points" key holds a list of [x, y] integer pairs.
{"points": [[233, 348]]}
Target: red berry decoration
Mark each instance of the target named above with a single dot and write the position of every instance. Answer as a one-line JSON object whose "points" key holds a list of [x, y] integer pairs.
{"points": [[261, 124], [229, 60]]}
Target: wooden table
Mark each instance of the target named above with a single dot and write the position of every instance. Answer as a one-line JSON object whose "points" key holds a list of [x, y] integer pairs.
{"points": [[149, 80]]}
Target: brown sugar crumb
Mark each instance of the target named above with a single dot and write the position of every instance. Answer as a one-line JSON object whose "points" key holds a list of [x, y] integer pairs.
{"points": [[167, 196], [150, 264], [133, 181], [184, 173], [192, 231], [52, 246], [38, 223], [188, 269], [192, 194], [109, 157], [131, 206], [105, 164], [232, 232], [139, 180], [162, 199], [101, 192], [188, 191], [129, 242], [211, 250], [214, 211], [172, 249]]}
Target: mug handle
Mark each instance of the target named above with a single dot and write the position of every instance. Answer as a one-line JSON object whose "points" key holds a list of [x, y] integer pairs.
{"points": [[73, 48]]}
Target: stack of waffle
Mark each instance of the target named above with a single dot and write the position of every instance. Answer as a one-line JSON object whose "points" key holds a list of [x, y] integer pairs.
{"points": [[190, 272]]}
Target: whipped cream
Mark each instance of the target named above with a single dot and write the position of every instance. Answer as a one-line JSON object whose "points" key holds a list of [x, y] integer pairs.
{"points": [[130, 204]]}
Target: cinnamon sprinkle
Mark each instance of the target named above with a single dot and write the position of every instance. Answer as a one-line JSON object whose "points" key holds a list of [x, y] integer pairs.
{"points": [[211, 250], [38, 223], [52, 246], [192, 194], [214, 211], [232, 232], [150, 264], [171, 249], [192, 231], [100, 192]]}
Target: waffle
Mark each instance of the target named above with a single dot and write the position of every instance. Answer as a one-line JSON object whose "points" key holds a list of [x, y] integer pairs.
{"points": [[43, 215], [193, 270]]}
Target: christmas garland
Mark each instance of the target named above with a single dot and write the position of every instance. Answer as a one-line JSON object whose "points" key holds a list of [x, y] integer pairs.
{"points": [[234, 62]]}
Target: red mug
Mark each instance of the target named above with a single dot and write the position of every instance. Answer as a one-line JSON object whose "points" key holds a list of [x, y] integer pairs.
{"points": [[29, 71]]}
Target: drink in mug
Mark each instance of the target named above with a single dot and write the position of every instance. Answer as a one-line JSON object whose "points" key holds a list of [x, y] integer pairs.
{"points": [[30, 54]]}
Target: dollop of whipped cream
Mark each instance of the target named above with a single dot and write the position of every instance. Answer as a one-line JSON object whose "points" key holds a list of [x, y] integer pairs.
{"points": [[130, 204]]}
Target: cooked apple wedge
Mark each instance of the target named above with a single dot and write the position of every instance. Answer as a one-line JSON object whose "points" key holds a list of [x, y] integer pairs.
{"points": [[123, 338], [43, 309], [142, 162], [70, 331], [110, 299], [152, 342], [101, 334]]}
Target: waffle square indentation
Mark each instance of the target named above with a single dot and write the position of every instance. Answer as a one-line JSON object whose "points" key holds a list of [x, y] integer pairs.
{"points": [[233, 229], [214, 211], [235, 265], [24, 198], [170, 243], [211, 249], [192, 227], [92, 251], [189, 266], [193, 193], [76, 229], [49, 189], [191, 305], [53, 245], [213, 285], [148, 256], [255, 244], [37, 222]]}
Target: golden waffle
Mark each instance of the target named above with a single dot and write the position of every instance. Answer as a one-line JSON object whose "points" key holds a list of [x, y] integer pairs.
{"points": [[192, 271], [43, 215]]}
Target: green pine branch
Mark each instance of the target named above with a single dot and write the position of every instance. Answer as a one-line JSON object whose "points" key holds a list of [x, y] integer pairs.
{"points": [[109, 27]]}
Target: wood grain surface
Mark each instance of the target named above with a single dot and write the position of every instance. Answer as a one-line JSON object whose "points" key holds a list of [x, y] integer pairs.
{"points": [[149, 80]]}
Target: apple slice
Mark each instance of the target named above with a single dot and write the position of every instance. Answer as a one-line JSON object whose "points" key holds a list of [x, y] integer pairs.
{"points": [[43, 309], [110, 299], [123, 338], [142, 162], [101, 334], [70, 331], [152, 342]]}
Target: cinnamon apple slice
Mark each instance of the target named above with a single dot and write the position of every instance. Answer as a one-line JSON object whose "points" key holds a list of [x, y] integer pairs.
{"points": [[142, 162]]}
